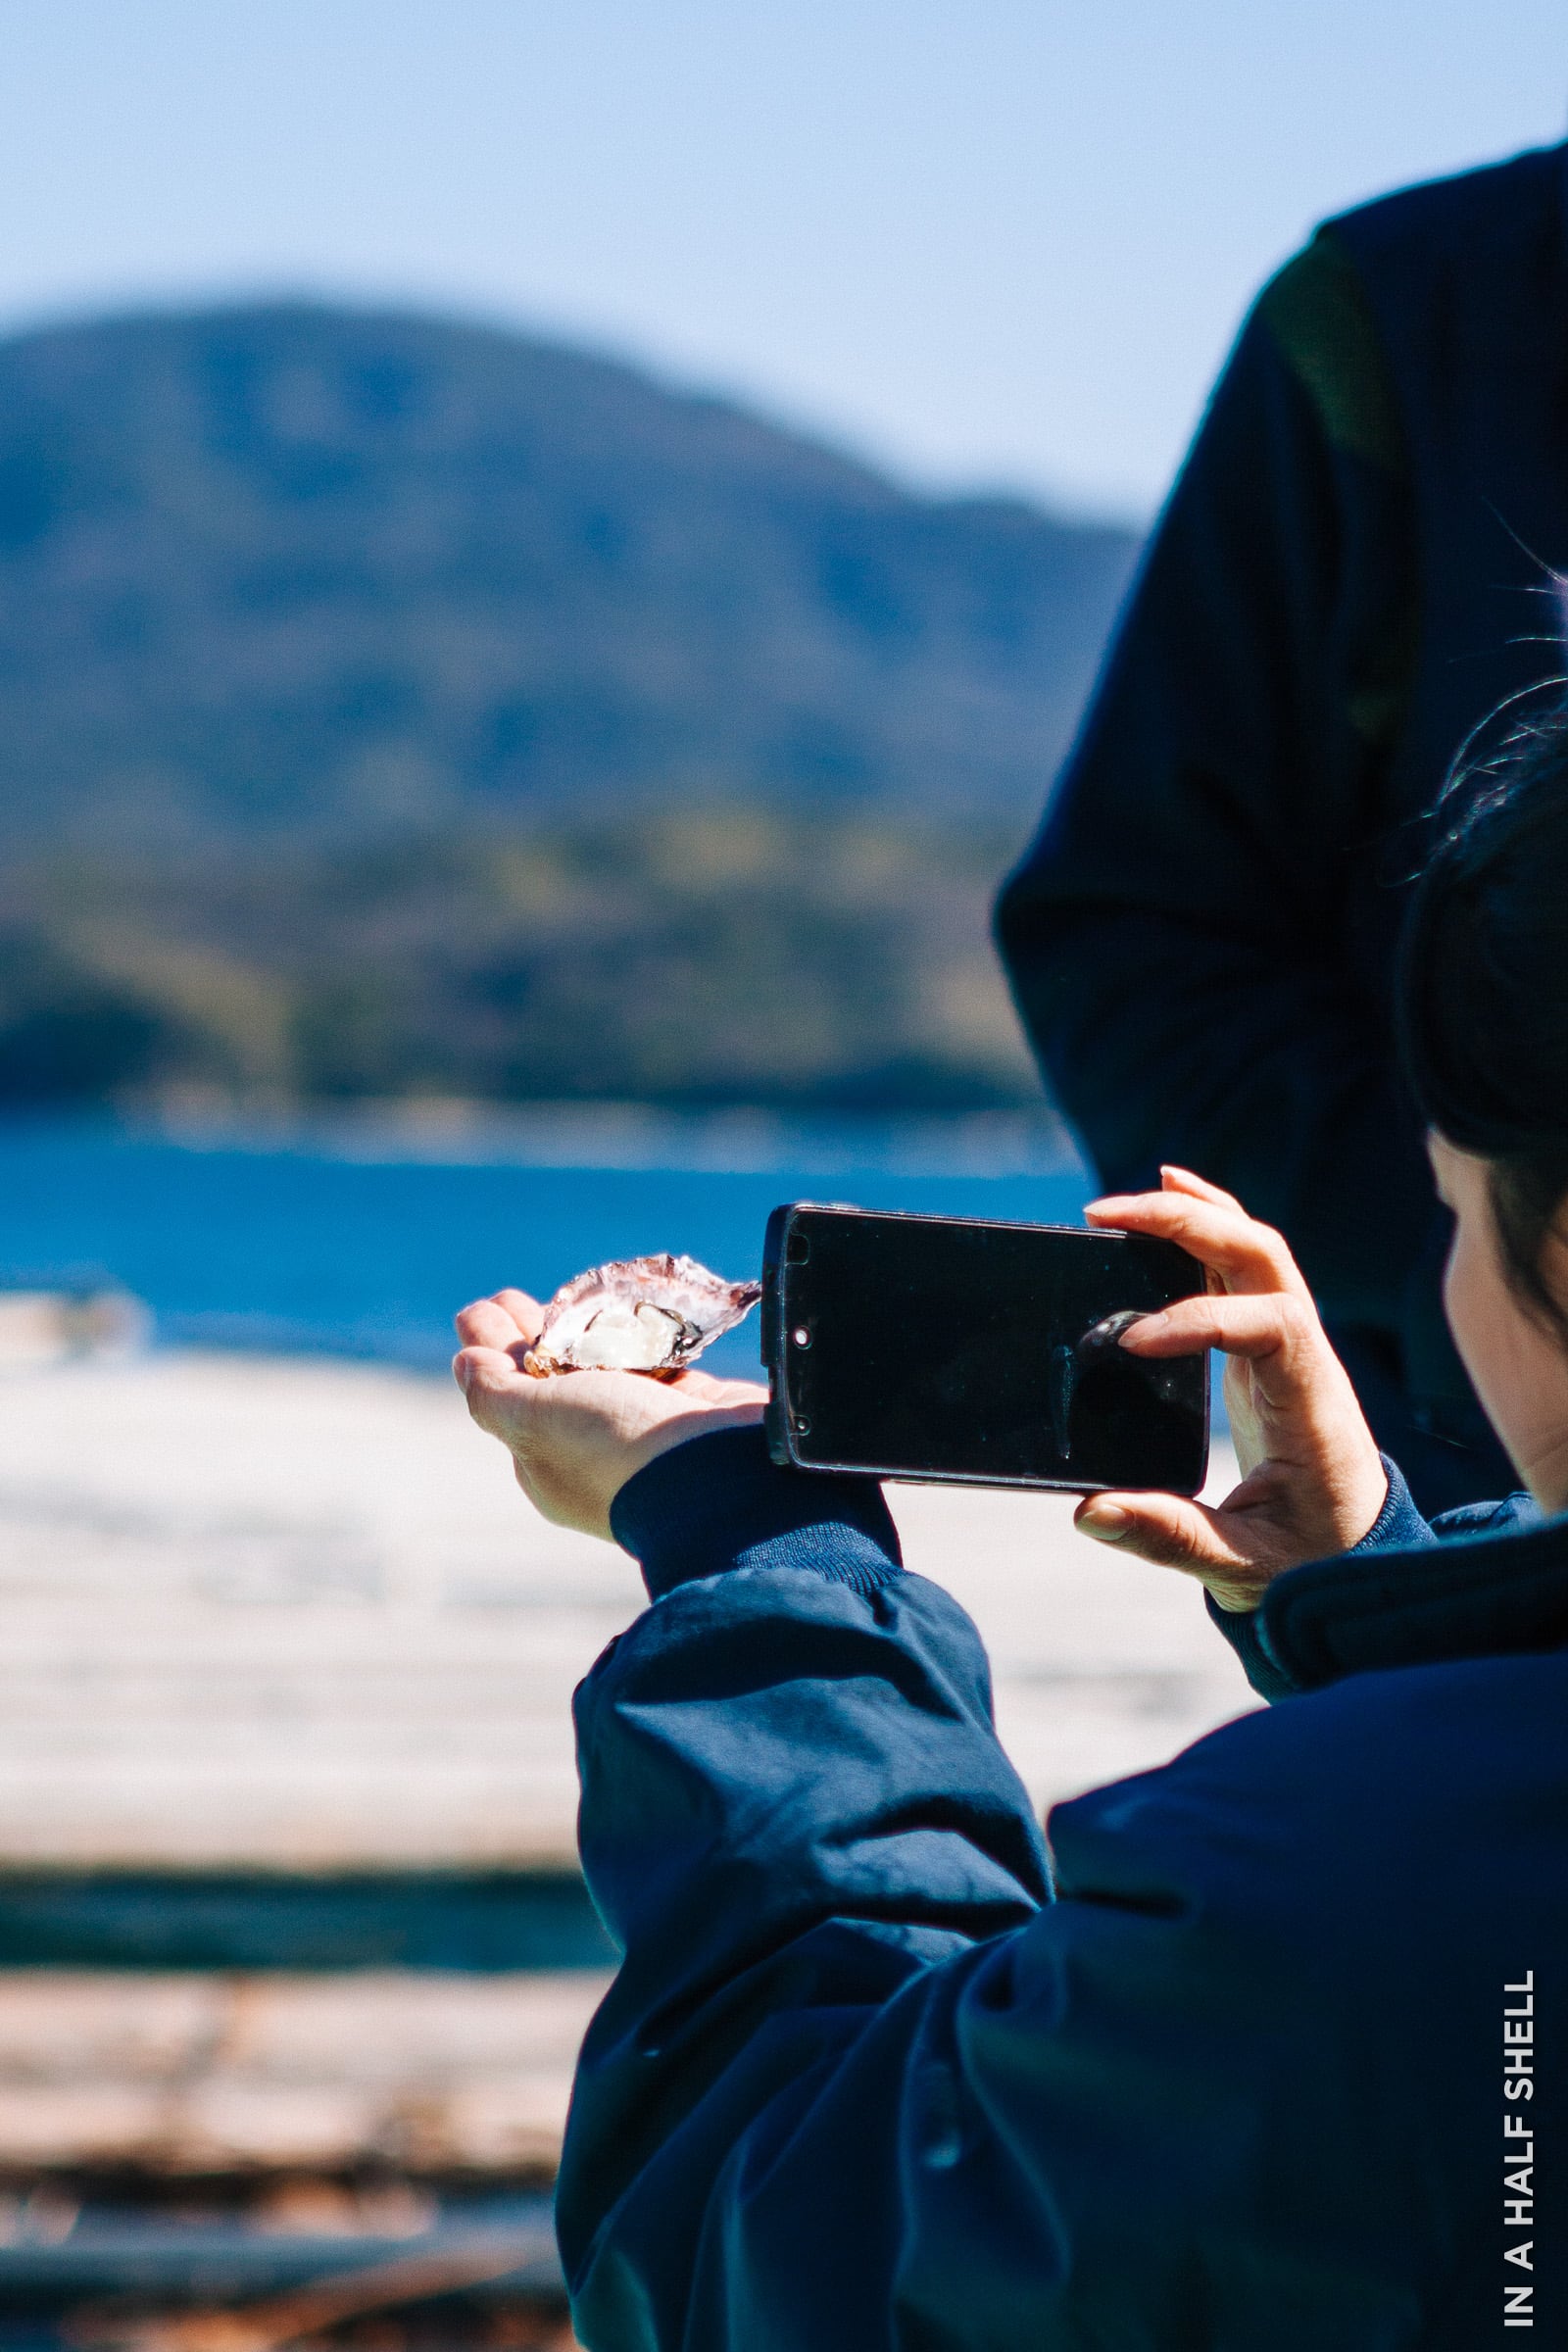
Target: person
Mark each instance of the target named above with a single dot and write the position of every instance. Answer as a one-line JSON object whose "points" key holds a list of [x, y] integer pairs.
{"points": [[1259, 2053], [1360, 562]]}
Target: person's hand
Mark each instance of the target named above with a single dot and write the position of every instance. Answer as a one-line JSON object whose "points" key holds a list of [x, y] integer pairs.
{"points": [[1312, 1483], [575, 1438]]}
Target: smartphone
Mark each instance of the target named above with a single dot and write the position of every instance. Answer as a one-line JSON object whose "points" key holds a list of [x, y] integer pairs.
{"points": [[979, 1354]]}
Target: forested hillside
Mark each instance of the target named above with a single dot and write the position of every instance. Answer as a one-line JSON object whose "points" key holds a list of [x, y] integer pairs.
{"points": [[390, 704]]}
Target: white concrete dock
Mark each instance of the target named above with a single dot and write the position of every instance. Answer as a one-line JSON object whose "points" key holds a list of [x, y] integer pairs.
{"points": [[295, 1613], [299, 1614]]}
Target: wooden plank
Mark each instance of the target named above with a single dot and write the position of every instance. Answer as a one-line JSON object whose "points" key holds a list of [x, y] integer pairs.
{"points": [[489, 1923], [295, 1615], [206, 2074]]}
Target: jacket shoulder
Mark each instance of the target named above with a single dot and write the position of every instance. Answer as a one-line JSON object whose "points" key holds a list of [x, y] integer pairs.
{"points": [[1316, 312], [1511, 200], [1371, 1786]]}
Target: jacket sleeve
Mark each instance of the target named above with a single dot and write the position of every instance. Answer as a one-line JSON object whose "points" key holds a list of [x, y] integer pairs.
{"points": [[861, 2082], [1399, 1529], [1180, 938]]}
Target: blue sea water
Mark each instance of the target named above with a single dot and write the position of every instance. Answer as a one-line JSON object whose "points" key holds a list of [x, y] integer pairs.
{"points": [[360, 1238]]}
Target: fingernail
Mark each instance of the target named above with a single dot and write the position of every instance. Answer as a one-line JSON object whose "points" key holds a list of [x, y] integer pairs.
{"points": [[460, 1368], [1154, 1323], [1107, 1522]]}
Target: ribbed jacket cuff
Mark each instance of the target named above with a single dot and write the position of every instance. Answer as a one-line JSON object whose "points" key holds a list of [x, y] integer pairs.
{"points": [[1399, 1526], [719, 1502]]}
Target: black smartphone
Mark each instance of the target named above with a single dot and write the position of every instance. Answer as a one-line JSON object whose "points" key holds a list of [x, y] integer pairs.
{"points": [[981, 1353]]}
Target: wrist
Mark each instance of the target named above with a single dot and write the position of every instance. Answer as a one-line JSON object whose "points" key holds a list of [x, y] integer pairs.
{"points": [[678, 1428], [1366, 1506], [698, 1510]]}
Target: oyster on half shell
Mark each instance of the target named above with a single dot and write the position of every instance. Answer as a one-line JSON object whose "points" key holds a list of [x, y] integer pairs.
{"points": [[638, 1315]]}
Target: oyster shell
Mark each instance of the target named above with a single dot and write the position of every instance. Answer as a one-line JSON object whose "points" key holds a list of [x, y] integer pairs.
{"points": [[638, 1315]]}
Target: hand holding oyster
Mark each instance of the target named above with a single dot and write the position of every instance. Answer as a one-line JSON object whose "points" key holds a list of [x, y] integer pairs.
{"points": [[638, 1315]]}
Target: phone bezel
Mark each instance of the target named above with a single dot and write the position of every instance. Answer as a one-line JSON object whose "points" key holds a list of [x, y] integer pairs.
{"points": [[777, 1418]]}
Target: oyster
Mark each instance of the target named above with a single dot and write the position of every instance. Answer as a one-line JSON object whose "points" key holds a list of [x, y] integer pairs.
{"points": [[638, 1315]]}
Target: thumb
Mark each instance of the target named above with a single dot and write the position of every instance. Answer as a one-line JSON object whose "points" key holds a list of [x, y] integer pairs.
{"points": [[497, 1393], [1165, 1528]]}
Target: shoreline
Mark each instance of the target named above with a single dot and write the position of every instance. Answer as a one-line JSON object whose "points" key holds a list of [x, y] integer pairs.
{"points": [[723, 1138]]}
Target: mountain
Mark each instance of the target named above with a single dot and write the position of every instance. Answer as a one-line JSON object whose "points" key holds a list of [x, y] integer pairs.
{"points": [[293, 568], [395, 706]]}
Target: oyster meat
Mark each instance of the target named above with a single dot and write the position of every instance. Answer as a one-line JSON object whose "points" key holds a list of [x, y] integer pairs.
{"points": [[638, 1315]]}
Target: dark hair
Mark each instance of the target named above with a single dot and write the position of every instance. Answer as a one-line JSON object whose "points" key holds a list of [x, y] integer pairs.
{"points": [[1483, 992]]}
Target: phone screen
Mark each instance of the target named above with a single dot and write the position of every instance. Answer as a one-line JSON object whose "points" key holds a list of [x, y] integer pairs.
{"points": [[933, 1348]]}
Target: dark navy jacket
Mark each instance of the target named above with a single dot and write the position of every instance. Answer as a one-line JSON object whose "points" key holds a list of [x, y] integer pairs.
{"points": [[1228, 2072], [1353, 570]]}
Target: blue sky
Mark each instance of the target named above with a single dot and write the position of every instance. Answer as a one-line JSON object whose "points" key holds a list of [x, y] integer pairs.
{"points": [[991, 242]]}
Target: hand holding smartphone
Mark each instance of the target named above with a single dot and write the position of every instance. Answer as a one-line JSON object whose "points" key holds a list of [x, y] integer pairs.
{"points": [[939, 1349]]}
